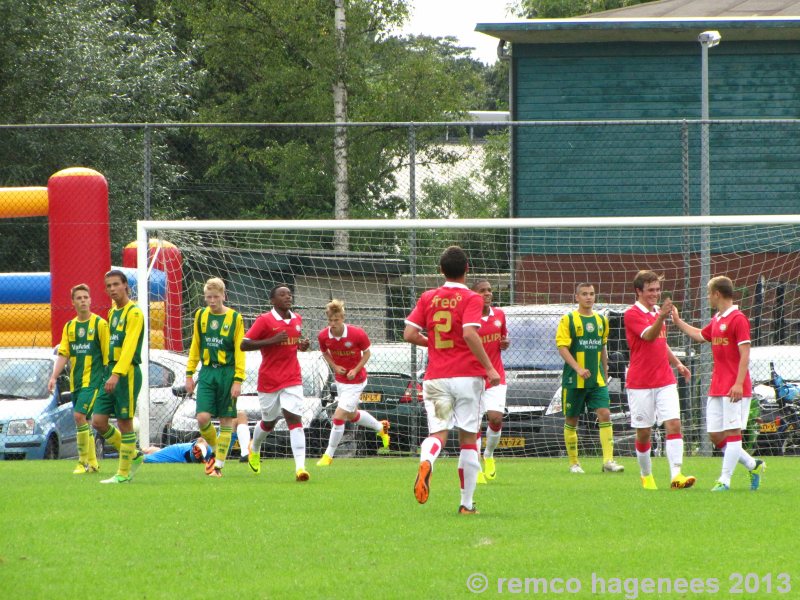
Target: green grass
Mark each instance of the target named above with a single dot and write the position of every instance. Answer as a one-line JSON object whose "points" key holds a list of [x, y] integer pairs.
{"points": [[355, 530]]}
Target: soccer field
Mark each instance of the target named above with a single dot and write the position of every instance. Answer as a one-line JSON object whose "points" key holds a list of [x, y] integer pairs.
{"points": [[355, 531]]}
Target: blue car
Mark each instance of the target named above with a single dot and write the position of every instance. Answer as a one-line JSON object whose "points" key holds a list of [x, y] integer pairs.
{"points": [[33, 422]]}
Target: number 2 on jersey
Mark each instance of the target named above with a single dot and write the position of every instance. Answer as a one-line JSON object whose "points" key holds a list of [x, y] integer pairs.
{"points": [[443, 320]]}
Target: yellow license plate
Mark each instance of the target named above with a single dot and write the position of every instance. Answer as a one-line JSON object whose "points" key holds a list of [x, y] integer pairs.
{"points": [[771, 427], [511, 442], [370, 397]]}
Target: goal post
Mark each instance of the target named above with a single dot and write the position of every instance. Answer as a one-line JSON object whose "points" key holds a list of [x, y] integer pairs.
{"points": [[533, 266]]}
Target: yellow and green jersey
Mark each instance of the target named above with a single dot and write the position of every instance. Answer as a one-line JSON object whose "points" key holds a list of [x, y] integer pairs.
{"points": [[126, 326], [85, 344], [217, 341], [585, 336]]}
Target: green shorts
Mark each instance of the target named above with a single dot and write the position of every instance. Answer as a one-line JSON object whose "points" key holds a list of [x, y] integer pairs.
{"points": [[213, 391], [84, 399], [120, 403], [575, 401]]}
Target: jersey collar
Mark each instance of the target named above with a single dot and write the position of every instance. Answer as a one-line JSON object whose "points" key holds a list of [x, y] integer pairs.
{"points": [[280, 318], [644, 310], [732, 308], [333, 337], [454, 284], [489, 316]]}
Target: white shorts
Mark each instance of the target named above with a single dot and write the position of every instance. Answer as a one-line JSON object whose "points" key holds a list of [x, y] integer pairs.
{"points": [[494, 398], [654, 405], [453, 402], [722, 414], [349, 394], [289, 399]]}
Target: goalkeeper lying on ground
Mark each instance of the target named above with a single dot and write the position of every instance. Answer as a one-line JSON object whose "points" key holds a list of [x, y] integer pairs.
{"points": [[197, 451]]}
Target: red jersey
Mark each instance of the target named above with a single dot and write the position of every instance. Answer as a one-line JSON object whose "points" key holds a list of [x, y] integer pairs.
{"points": [[649, 367], [726, 332], [346, 351], [443, 313], [492, 330], [279, 365]]}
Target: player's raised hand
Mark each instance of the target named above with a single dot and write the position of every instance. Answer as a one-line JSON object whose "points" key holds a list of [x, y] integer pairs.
{"points": [[304, 344], [279, 337], [666, 308]]}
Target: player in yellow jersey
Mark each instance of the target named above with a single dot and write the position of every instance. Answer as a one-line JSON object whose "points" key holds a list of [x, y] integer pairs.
{"points": [[121, 389], [217, 335], [84, 343], [581, 340]]}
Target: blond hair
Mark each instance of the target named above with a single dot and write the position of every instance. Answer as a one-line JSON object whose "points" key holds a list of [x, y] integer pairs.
{"points": [[215, 284], [334, 307], [81, 287], [721, 284]]}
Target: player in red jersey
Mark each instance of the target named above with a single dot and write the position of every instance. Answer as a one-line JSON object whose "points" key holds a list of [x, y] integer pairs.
{"points": [[277, 334], [494, 337], [650, 382], [728, 404], [454, 378], [346, 349]]}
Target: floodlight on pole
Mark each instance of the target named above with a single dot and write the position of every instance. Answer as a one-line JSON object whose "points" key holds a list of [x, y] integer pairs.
{"points": [[707, 39]]}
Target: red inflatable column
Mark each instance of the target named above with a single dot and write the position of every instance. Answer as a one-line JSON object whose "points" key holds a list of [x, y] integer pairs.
{"points": [[170, 261], [80, 243]]}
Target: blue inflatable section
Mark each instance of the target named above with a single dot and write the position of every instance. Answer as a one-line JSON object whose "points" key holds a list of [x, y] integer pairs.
{"points": [[34, 288]]}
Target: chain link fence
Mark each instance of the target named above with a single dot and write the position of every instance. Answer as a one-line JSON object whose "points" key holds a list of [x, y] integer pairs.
{"points": [[72, 195]]}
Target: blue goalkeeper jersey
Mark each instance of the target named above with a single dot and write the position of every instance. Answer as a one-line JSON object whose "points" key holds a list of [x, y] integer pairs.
{"points": [[176, 453]]}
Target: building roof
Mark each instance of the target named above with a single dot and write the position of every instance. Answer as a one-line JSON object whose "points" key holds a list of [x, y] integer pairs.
{"points": [[662, 21], [706, 8]]}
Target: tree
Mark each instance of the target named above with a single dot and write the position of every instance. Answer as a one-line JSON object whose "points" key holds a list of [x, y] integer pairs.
{"points": [[272, 61], [562, 9], [86, 61]]}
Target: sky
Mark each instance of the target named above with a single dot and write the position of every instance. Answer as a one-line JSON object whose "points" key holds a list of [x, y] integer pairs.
{"points": [[438, 18]]}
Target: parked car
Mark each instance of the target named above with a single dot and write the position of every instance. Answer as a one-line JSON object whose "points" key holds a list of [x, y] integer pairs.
{"points": [[533, 374], [317, 381], [391, 393], [33, 422], [779, 420], [533, 424]]}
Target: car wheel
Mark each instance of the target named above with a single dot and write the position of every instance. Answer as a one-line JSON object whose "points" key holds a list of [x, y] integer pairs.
{"points": [[51, 450], [791, 444]]}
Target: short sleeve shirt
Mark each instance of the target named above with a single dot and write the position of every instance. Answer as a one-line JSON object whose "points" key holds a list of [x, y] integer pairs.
{"points": [[649, 367], [279, 365], [444, 312], [346, 351], [726, 332], [492, 330]]}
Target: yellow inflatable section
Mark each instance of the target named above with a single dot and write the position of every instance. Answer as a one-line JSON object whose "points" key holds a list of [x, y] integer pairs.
{"points": [[29, 325]]}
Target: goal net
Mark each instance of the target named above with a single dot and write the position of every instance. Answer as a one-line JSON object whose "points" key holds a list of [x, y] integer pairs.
{"points": [[379, 269]]}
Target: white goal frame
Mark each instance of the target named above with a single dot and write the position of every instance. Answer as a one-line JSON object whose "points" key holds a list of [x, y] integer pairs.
{"points": [[144, 228]]}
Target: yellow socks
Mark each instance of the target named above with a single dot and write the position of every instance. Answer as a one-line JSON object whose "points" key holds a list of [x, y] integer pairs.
{"points": [[607, 441], [209, 434], [83, 443], [113, 437], [571, 441], [127, 451], [223, 445]]}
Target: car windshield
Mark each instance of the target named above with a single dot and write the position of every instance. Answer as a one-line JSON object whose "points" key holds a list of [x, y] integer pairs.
{"points": [[533, 343], [24, 378], [787, 367]]}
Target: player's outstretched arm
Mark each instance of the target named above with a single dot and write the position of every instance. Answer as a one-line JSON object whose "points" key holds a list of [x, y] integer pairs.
{"points": [[475, 344], [693, 332], [414, 336]]}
